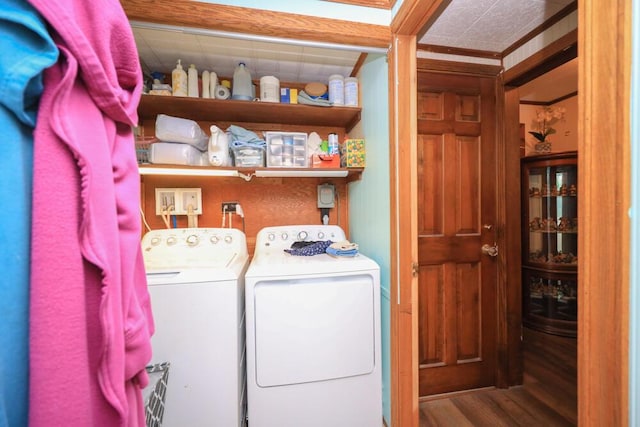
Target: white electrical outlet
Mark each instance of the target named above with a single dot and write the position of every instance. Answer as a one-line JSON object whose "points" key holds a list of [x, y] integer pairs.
{"points": [[176, 201]]}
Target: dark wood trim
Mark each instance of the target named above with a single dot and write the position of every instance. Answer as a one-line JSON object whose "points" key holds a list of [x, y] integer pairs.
{"points": [[555, 54], [570, 8], [380, 4], [553, 101], [257, 21], [510, 362], [459, 51], [458, 67]]}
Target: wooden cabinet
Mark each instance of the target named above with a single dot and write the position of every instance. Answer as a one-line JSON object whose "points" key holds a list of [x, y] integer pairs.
{"points": [[550, 242]]}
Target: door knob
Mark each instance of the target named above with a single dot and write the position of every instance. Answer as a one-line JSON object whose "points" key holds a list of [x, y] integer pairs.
{"points": [[487, 226], [490, 250]]}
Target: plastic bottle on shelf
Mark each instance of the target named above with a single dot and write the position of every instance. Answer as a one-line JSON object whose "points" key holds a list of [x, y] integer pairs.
{"points": [[179, 80], [334, 146], [351, 92], [336, 89], [241, 83], [193, 81], [206, 91]]}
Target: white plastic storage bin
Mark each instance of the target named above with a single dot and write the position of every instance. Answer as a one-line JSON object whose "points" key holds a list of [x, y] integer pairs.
{"points": [[286, 149], [248, 156], [173, 153]]}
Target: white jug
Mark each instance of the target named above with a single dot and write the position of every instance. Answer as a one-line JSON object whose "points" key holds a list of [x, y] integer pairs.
{"points": [[219, 147]]}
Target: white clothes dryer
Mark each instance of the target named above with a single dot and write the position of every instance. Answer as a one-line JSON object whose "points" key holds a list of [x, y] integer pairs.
{"points": [[196, 283], [313, 334]]}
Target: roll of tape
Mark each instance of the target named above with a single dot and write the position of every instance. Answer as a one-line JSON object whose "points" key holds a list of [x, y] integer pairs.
{"points": [[222, 92]]}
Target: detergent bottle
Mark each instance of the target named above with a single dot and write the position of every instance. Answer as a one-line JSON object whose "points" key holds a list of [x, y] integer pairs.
{"points": [[179, 80], [219, 147]]}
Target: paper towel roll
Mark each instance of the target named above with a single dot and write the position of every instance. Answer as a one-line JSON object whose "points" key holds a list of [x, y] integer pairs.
{"points": [[222, 92], [213, 83]]}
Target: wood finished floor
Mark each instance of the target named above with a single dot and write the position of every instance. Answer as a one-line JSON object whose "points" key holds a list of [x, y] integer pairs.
{"points": [[548, 396]]}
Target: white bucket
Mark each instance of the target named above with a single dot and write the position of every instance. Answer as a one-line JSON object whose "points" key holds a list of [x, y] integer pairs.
{"points": [[269, 89]]}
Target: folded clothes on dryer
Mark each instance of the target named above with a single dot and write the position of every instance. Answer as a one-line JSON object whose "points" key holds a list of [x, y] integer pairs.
{"points": [[343, 248]]}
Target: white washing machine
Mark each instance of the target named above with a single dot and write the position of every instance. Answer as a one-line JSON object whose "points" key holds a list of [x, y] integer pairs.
{"points": [[313, 334], [195, 278]]}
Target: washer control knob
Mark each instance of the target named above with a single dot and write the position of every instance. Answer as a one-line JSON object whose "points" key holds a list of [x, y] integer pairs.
{"points": [[228, 239], [320, 235], [171, 240], [155, 241], [214, 239], [192, 240], [303, 235], [271, 237], [284, 236]]}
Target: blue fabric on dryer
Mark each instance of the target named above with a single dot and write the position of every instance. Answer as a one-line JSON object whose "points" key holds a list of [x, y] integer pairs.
{"points": [[313, 248], [27, 49]]}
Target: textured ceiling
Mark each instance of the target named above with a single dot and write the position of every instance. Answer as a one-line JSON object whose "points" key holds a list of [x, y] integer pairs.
{"points": [[489, 25]]}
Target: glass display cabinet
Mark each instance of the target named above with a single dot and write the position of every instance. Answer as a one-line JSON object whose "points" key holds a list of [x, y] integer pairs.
{"points": [[550, 243]]}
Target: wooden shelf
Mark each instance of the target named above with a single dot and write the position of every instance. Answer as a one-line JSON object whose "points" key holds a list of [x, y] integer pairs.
{"points": [[201, 109], [351, 174]]}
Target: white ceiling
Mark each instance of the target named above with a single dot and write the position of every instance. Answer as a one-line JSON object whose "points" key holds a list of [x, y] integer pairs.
{"points": [[557, 83], [487, 25]]}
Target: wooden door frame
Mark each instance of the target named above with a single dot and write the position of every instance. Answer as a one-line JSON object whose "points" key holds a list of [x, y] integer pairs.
{"points": [[410, 19], [604, 37], [604, 175]]}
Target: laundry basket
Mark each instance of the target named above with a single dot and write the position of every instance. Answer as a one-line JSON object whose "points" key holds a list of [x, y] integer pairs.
{"points": [[154, 394]]}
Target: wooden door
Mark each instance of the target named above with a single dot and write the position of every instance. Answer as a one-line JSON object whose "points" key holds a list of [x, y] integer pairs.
{"points": [[456, 217]]}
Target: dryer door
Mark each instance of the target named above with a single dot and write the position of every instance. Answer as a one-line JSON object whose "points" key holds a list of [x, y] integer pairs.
{"points": [[316, 329]]}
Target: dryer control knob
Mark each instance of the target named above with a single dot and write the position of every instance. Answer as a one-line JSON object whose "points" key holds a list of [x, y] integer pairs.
{"points": [[320, 235], [192, 240], [228, 239], [171, 240], [155, 241], [214, 239], [271, 237], [284, 236], [303, 235]]}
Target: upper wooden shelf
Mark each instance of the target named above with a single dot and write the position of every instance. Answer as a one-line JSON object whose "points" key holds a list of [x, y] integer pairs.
{"points": [[201, 109]]}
